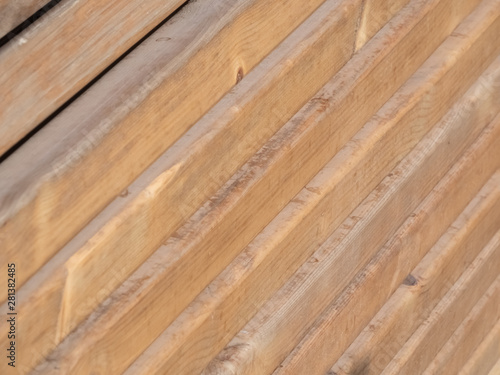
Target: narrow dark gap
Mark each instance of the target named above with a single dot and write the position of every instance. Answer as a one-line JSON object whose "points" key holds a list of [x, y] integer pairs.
{"points": [[74, 97], [23, 26]]}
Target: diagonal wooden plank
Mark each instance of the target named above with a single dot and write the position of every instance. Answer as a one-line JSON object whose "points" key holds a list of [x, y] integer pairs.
{"points": [[445, 318], [344, 319], [471, 332], [424, 287], [13, 13], [485, 356], [131, 115], [183, 254], [274, 331], [253, 276], [79, 296], [200, 162], [60, 53], [496, 369]]}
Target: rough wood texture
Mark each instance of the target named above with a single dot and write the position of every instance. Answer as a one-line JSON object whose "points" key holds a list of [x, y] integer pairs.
{"points": [[424, 287], [58, 55], [15, 12], [486, 354], [470, 333], [445, 318], [323, 344], [305, 139], [45, 201], [292, 235], [45, 294], [304, 294], [496, 369]]}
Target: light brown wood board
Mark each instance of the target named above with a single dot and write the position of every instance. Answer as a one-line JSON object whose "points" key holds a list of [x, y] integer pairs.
{"points": [[417, 353], [303, 296], [343, 320], [53, 185], [368, 157], [496, 369], [50, 61], [15, 12], [486, 354], [424, 287], [471, 332], [56, 300]]}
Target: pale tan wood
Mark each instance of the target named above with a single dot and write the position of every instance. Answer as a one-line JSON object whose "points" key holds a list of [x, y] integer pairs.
{"points": [[90, 153], [174, 276], [58, 55], [61, 323], [15, 12], [496, 369], [486, 354], [471, 332], [374, 15], [307, 221], [306, 294], [421, 348], [215, 239], [427, 284], [336, 329]]}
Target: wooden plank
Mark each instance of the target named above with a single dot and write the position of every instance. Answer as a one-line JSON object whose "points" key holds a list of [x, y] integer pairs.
{"points": [[424, 287], [193, 160], [496, 369], [58, 55], [485, 356], [45, 200], [195, 336], [343, 320], [46, 291], [374, 15], [471, 332], [304, 295], [13, 13], [444, 319], [257, 177]]}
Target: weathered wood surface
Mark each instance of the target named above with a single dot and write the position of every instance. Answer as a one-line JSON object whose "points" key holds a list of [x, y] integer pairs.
{"points": [[15, 12], [219, 202], [496, 369], [294, 233], [185, 272], [445, 318], [282, 317], [410, 305], [485, 355], [45, 200], [58, 55], [471, 332], [335, 330], [48, 292]]}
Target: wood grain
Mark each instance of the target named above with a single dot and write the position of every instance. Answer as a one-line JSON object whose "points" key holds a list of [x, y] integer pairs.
{"points": [[286, 242], [471, 332], [335, 330], [13, 13], [48, 291], [445, 318], [58, 55], [486, 354], [172, 79], [496, 369], [221, 250], [309, 290], [424, 288]]}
